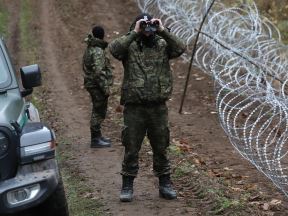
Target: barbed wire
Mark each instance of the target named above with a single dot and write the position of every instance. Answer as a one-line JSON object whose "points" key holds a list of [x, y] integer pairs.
{"points": [[243, 52]]}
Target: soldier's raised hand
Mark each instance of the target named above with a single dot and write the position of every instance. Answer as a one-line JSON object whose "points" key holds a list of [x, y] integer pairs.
{"points": [[138, 25], [160, 27]]}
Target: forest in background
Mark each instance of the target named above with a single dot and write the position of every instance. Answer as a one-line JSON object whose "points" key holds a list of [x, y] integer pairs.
{"points": [[275, 10]]}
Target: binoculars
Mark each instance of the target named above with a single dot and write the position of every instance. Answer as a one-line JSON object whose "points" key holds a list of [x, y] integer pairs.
{"points": [[148, 26]]}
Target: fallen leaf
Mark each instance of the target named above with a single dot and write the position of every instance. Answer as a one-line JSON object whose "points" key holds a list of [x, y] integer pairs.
{"points": [[199, 161], [217, 173], [265, 206], [187, 113], [88, 195], [210, 173], [183, 141], [251, 187], [275, 202], [237, 189], [200, 78], [255, 198], [255, 203], [240, 183], [196, 161], [119, 109]]}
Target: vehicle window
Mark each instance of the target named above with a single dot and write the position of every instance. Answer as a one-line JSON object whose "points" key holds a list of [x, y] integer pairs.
{"points": [[4, 72]]}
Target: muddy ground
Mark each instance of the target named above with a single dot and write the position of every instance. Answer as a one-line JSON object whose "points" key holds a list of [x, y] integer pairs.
{"points": [[209, 174]]}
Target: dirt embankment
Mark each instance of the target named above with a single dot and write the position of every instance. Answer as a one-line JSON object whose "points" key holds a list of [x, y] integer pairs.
{"points": [[201, 153]]}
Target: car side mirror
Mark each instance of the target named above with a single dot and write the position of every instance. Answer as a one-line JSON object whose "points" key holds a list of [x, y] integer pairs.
{"points": [[31, 77]]}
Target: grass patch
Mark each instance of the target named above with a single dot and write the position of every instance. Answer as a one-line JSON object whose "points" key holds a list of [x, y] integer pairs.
{"points": [[75, 188], [223, 202], [79, 194], [37, 103], [183, 170], [3, 21], [28, 42], [174, 150]]}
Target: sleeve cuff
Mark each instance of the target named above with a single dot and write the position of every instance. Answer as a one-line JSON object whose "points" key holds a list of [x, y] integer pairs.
{"points": [[133, 34], [165, 33]]}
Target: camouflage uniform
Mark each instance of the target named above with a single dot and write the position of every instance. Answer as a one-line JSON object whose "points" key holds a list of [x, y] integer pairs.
{"points": [[97, 80], [147, 85]]}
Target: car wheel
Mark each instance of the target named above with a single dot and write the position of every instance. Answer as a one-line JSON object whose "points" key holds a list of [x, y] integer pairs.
{"points": [[56, 204]]}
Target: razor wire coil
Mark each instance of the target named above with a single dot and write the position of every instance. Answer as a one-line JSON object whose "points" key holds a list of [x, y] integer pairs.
{"points": [[243, 52]]}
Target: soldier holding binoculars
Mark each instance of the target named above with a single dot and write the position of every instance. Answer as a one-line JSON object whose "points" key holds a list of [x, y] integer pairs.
{"points": [[145, 53]]}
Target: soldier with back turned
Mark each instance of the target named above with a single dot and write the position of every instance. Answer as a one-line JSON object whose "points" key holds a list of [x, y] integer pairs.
{"points": [[97, 81]]}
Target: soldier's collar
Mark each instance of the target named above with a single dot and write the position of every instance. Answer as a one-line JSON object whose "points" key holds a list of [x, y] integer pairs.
{"points": [[92, 41], [101, 43]]}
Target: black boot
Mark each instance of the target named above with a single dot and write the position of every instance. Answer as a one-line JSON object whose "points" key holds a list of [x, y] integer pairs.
{"points": [[99, 143], [106, 139], [126, 194], [165, 187]]}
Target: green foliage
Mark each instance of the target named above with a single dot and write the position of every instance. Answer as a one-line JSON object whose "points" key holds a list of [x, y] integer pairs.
{"points": [[37, 103], [277, 12], [283, 27], [79, 206], [174, 150], [28, 44], [3, 21], [274, 10], [183, 170], [223, 202], [79, 196]]}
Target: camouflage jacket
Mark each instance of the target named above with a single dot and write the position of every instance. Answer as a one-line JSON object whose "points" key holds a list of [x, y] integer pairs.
{"points": [[96, 65], [147, 73]]}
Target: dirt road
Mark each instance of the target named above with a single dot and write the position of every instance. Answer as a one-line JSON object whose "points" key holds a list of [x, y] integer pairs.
{"points": [[62, 51], [61, 26]]}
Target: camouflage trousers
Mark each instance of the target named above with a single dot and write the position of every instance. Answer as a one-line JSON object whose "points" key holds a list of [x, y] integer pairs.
{"points": [[99, 110], [139, 121]]}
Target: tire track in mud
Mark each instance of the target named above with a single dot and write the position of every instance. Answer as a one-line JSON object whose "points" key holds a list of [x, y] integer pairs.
{"points": [[62, 54]]}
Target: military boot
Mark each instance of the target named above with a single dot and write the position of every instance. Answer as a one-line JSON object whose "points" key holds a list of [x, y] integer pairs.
{"points": [[97, 141], [126, 194], [165, 188], [106, 139]]}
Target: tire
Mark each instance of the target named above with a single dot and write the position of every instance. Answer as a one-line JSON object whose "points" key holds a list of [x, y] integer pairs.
{"points": [[56, 204]]}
